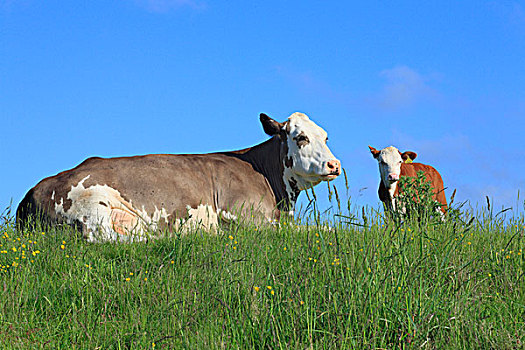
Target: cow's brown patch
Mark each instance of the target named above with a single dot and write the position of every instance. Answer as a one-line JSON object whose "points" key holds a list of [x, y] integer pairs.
{"points": [[61, 199], [301, 140]]}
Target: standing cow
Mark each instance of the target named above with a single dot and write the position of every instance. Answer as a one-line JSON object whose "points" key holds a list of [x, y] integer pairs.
{"points": [[393, 165], [114, 199]]}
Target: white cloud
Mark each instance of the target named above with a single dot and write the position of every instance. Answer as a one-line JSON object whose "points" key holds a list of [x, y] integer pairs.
{"points": [[162, 6], [404, 87]]}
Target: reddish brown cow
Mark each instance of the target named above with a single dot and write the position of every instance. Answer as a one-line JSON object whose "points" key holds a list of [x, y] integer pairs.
{"points": [[393, 165]]}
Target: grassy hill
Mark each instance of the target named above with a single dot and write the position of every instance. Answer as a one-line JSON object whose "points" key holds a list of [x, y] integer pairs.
{"points": [[380, 284]]}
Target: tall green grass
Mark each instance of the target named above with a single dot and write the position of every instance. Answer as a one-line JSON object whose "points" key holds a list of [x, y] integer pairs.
{"points": [[348, 281]]}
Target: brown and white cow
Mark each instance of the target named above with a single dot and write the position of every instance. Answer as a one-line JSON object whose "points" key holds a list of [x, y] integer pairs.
{"points": [[393, 165], [114, 199]]}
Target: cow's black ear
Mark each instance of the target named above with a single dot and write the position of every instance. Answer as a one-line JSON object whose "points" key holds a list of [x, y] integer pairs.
{"points": [[374, 152], [408, 155], [270, 126]]}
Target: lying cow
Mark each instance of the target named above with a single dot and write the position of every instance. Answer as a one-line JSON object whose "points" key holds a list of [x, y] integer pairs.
{"points": [[121, 198], [394, 164]]}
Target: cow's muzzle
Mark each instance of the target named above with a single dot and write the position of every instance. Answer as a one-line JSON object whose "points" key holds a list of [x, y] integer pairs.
{"points": [[333, 168], [393, 177]]}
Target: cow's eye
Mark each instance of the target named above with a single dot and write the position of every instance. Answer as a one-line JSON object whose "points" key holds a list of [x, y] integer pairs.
{"points": [[302, 140]]}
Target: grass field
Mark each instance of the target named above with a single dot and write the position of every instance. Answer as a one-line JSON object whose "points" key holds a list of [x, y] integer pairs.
{"points": [[457, 284]]}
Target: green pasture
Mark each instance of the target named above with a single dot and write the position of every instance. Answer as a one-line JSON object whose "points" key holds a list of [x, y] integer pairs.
{"points": [[356, 282]]}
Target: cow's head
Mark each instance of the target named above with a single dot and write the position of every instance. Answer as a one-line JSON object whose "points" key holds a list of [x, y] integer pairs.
{"points": [[390, 161], [306, 157]]}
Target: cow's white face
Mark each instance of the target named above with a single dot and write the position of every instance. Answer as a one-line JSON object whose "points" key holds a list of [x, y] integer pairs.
{"points": [[307, 159], [390, 161]]}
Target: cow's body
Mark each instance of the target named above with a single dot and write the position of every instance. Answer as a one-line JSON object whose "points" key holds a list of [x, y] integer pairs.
{"points": [[392, 167], [121, 198]]}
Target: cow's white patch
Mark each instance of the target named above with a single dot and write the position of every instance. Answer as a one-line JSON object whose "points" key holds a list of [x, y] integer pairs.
{"points": [[311, 158], [226, 215], [106, 215], [203, 217]]}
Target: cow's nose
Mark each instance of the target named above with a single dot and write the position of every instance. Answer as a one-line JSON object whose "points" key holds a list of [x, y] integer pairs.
{"points": [[393, 177], [334, 167]]}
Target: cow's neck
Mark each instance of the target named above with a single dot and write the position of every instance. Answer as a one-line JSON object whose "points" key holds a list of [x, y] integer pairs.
{"points": [[267, 158]]}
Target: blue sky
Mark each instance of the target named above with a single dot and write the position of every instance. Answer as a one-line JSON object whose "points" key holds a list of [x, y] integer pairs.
{"points": [[112, 78]]}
